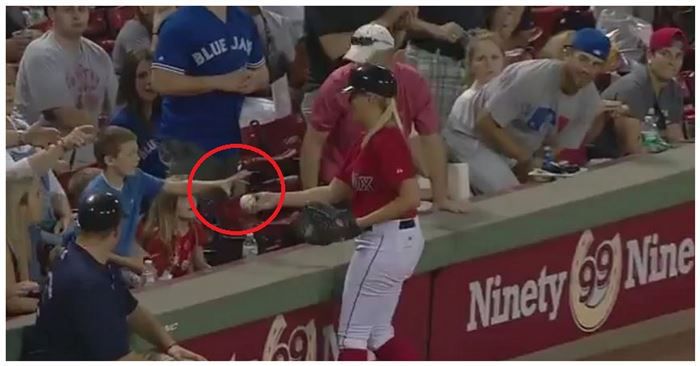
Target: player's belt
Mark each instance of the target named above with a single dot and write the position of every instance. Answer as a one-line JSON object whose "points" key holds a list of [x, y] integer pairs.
{"points": [[403, 225]]}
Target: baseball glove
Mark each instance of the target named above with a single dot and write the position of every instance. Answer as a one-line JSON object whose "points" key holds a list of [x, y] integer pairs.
{"points": [[322, 224]]}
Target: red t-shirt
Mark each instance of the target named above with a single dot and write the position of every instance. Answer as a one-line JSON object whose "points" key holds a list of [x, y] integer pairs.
{"points": [[180, 260], [376, 171], [331, 113]]}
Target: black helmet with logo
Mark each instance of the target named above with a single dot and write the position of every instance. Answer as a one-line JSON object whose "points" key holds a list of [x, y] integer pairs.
{"points": [[368, 78], [99, 212]]}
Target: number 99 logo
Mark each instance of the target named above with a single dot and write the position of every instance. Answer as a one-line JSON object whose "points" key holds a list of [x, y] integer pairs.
{"points": [[595, 281]]}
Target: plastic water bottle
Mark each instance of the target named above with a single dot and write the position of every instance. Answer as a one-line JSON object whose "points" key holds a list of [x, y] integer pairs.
{"points": [[150, 273], [651, 139], [250, 246]]}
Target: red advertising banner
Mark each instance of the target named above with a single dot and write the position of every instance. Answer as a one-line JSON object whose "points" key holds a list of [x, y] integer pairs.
{"points": [[513, 303], [309, 334]]}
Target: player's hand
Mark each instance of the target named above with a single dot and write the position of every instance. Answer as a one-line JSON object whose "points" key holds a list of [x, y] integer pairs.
{"points": [[455, 206], [237, 180], [38, 135], [262, 201], [80, 136], [182, 354], [450, 32]]}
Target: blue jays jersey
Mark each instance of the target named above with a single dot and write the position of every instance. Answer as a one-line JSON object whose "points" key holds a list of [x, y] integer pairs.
{"points": [[193, 41]]}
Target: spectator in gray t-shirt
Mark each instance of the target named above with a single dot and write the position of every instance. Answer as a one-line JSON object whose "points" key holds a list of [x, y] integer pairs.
{"points": [[135, 35], [649, 87], [530, 102], [66, 78]]}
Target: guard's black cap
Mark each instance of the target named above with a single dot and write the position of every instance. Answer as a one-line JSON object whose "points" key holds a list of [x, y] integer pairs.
{"points": [[368, 78], [99, 212]]}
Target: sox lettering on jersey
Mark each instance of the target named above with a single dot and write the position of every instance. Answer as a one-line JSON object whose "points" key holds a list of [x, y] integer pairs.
{"points": [[362, 183], [221, 46]]}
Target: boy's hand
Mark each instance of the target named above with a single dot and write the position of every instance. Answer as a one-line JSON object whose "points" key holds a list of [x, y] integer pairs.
{"points": [[237, 180]]}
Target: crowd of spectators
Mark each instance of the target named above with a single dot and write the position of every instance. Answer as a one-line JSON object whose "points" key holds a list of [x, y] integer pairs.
{"points": [[489, 86]]}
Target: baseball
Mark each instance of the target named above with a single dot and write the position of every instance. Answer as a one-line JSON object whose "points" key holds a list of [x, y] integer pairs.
{"points": [[248, 202]]}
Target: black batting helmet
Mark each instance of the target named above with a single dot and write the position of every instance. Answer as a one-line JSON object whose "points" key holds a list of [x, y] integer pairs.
{"points": [[99, 212], [368, 78]]}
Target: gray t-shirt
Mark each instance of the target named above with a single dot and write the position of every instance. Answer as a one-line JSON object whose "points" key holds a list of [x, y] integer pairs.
{"points": [[637, 92], [132, 37], [50, 77], [526, 100]]}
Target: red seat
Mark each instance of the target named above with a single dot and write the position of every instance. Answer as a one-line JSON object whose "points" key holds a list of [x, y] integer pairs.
{"points": [[546, 18], [43, 26], [116, 17], [97, 25], [107, 45]]}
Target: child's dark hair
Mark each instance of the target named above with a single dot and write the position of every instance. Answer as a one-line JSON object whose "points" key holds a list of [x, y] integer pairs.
{"points": [[109, 142]]}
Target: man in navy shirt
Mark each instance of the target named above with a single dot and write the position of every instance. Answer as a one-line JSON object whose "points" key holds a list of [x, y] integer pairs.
{"points": [[207, 59], [86, 312]]}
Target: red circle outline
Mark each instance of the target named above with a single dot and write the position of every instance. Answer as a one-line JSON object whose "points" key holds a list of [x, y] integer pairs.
{"points": [[283, 189]]}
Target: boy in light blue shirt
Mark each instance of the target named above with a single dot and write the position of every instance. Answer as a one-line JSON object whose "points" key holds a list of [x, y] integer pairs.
{"points": [[116, 150]]}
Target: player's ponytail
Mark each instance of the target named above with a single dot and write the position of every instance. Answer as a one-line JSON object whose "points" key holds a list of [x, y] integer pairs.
{"points": [[391, 113]]}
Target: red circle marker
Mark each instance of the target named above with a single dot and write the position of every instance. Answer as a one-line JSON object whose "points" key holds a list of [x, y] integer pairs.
{"points": [[190, 199]]}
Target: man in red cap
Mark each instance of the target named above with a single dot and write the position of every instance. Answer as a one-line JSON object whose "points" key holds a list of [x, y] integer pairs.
{"points": [[650, 87]]}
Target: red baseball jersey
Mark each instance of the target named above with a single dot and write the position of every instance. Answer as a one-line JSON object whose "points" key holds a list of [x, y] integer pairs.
{"points": [[376, 171], [179, 261]]}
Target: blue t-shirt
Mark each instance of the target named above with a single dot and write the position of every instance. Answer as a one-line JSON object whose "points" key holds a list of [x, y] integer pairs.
{"points": [[136, 189], [195, 42], [82, 311], [146, 139]]}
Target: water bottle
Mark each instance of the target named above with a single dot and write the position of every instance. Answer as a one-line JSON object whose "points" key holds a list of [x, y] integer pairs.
{"points": [[650, 135], [250, 246], [150, 273]]}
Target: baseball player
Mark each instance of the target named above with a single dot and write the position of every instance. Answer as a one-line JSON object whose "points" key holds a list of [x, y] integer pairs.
{"points": [[529, 103], [378, 177]]}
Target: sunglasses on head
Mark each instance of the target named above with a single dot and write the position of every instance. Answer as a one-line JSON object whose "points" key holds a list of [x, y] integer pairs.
{"points": [[364, 41]]}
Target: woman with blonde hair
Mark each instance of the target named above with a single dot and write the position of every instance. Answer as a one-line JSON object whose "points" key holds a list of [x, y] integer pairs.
{"points": [[24, 208], [378, 178], [173, 237], [486, 59]]}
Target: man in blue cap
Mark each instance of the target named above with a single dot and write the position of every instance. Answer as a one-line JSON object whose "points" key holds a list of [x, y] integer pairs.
{"points": [[530, 104]]}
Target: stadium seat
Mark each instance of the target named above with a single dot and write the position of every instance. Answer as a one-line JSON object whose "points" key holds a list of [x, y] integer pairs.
{"points": [[546, 18], [118, 16], [97, 25]]}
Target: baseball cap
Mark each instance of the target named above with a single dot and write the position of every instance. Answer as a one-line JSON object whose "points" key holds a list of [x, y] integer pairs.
{"points": [[592, 41], [367, 40], [665, 37], [368, 78]]}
